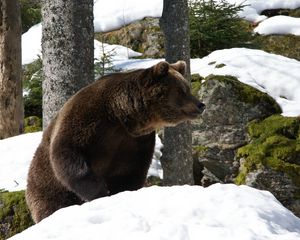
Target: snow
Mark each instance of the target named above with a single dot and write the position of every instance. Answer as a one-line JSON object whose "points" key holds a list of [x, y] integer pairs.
{"points": [[16, 154], [279, 25], [117, 52], [253, 8], [179, 213], [113, 14], [31, 44], [155, 167]]}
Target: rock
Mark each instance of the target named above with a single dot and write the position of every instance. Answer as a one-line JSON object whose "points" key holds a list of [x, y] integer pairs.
{"points": [[271, 159], [142, 36], [221, 129], [32, 124]]}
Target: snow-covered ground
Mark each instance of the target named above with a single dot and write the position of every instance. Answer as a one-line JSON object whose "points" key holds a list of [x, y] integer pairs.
{"points": [[219, 212], [16, 154]]}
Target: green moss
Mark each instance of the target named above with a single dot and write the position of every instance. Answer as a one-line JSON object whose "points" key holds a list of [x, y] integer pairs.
{"points": [[275, 144], [196, 80], [245, 92], [33, 124], [285, 45], [220, 65], [14, 214], [275, 124], [294, 13], [200, 148]]}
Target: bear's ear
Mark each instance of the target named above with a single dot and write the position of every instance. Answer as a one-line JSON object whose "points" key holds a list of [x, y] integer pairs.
{"points": [[179, 66], [161, 69]]}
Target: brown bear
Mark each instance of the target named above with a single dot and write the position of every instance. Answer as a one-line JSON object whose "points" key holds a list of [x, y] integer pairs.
{"points": [[102, 140]]}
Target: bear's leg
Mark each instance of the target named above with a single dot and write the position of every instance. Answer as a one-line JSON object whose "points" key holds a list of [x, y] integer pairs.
{"points": [[71, 168], [128, 182], [42, 206]]}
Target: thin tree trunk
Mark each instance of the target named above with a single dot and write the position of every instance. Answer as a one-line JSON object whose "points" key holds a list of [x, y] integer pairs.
{"points": [[11, 103], [68, 51], [177, 160]]}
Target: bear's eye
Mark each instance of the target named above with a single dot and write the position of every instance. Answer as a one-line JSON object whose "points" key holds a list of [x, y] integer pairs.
{"points": [[159, 95]]}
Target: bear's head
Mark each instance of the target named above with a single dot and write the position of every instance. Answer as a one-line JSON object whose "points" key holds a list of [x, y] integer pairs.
{"points": [[167, 97]]}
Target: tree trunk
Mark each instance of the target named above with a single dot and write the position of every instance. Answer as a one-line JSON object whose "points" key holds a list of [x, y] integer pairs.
{"points": [[177, 160], [11, 103], [68, 51]]}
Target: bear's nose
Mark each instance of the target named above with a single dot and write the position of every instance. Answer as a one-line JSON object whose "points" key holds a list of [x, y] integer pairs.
{"points": [[201, 106]]}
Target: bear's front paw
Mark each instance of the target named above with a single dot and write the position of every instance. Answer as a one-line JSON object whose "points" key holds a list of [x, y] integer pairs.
{"points": [[89, 188]]}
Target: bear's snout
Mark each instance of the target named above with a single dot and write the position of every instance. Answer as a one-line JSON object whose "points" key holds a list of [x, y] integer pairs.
{"points": [[193, 108], [201, 107]]}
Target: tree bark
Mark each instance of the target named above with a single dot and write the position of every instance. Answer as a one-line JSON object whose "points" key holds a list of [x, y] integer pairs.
{"points": [[68, 51], [11, 103], [177, 159]]}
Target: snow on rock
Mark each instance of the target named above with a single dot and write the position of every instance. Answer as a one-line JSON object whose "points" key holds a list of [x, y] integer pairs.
{"points": [[117, 52], [113, 14], [279, 25], [253, 8], [16, 154], [178, 213], [276, 75]]}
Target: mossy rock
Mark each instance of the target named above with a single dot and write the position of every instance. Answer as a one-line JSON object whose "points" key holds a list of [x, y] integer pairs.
{"points": [[285, 45], [281, 11], [222, 128], [196, 81], [33, 124], [153, 181], [246, 93], [271, 161], [220, 65], [14, 214], [275, 144]]}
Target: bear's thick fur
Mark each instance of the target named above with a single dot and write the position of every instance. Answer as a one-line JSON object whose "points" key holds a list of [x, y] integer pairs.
{"points": [[102, 140]]}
